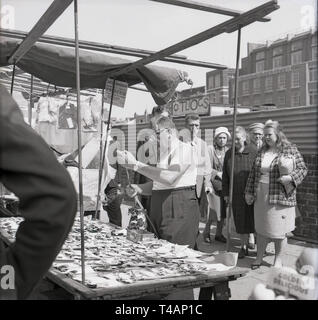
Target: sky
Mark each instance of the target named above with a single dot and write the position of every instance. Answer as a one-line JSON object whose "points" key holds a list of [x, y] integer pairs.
{"points": [[154, 26]]}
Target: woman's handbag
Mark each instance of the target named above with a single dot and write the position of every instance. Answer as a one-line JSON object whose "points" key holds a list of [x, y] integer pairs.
{"points": [[286, 165], [217, 185]]}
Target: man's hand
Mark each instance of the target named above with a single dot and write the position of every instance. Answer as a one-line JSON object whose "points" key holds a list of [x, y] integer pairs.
{"points": [[285, 179], [209, 190], [227, 200], [133, 190], [249, 199], [219, 174], [126, 159]]}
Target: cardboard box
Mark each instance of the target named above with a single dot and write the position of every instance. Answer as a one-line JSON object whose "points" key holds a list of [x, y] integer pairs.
{"points": [[139, 235]]}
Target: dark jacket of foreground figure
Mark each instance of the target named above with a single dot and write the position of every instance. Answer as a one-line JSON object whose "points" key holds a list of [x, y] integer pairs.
{"points": [[46, 194]]}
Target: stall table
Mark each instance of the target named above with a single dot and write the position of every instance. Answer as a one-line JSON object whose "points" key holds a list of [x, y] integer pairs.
{"points": [[212, 283]]}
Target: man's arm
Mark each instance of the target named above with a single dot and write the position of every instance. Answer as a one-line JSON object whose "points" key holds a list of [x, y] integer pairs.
{"points": [[165, 176], [46, 194], [144, 189]]}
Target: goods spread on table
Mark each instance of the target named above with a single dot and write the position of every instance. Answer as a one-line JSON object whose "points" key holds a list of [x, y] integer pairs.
{"points": [[111, 259]]}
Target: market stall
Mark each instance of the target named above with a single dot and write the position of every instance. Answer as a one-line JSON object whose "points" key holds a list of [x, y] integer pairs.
{"points": [[81, 69], [119, 268]]}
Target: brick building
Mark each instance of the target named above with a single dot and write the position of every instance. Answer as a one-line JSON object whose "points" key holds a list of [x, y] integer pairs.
{"points": [[217, 85], [282, 73]]}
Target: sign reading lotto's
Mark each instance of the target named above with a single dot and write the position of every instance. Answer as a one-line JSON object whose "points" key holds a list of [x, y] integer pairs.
{"points": [[196, 104], [119, 95]]}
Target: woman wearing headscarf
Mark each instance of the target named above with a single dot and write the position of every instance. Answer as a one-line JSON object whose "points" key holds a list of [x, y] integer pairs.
{"points": [[242, 212], [217, 208], [277, 171]]}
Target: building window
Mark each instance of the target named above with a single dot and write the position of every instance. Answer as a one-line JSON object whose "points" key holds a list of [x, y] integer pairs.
{"points": [[277, 62], [296, 57], [268, 84], [245, 88], [257, 102], [313, 73], [295, 100], [260, 66], [313, 97], [260, 55], [314, 53], [295, 79], [281, 81], [256, 85], [213, 97], [277, 51], [281, 100], [217, 81], [296, 45], [269, 100], [210, 83]]}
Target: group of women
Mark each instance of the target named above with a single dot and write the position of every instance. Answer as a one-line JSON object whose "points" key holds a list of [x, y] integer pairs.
{"points": [[267, 171]]}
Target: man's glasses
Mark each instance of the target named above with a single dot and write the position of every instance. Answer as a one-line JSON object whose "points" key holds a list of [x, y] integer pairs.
{"points": [[160, 130]]}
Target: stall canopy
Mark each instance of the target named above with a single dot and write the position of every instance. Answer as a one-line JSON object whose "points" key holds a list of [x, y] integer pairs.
{"points": [[56, 65]]}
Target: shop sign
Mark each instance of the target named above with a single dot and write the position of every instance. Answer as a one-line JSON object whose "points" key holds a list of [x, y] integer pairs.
{"points": [[196, 104], [292, 283], [120, 92]]}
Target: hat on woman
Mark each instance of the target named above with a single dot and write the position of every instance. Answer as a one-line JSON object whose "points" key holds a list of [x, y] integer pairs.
{"points": [[220, 130], [256, 127]]}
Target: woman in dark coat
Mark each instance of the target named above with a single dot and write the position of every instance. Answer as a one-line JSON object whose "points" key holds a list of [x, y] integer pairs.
{"points": [[243, 213]]}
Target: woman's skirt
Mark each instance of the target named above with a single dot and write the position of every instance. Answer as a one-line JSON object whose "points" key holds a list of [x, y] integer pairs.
{"points": [[272, 220]]}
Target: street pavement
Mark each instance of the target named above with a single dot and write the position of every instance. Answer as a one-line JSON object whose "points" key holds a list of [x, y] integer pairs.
{"points": [[242, 287]]}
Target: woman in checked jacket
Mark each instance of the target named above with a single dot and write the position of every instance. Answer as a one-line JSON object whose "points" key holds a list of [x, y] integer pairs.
{"points": [[277, 171]]}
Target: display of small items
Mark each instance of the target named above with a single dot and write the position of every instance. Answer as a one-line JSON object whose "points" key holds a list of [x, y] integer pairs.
{"points": [[138, 219]]}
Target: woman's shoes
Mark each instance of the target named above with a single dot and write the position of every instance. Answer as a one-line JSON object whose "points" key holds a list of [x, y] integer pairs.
{"points": [[241, 254], [220, 238], [207, 238], [255, 265], [251, 246]]}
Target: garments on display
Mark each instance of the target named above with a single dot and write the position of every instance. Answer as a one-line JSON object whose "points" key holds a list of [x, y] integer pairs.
{"points": [[67, 116], [47, 110]]}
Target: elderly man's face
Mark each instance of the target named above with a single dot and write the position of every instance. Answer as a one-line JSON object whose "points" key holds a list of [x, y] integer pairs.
{"points": [[257, 136]]}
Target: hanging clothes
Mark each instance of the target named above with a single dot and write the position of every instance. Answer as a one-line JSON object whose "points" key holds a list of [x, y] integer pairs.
{"points": [[89, 115], [67, 118], [47, 110]]}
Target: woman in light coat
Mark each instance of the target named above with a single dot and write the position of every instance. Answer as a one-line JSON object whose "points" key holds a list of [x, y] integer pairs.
{"points": [[277, 171]]}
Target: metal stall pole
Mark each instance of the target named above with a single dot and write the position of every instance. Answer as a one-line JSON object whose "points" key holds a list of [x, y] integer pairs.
{"points": [[105, 145], [230, 209], [12, 79], [31, 102], [79, 139], [100, 157]]}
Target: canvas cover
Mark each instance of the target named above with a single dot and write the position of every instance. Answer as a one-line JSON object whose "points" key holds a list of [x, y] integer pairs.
{"points": [[56, 65]]}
